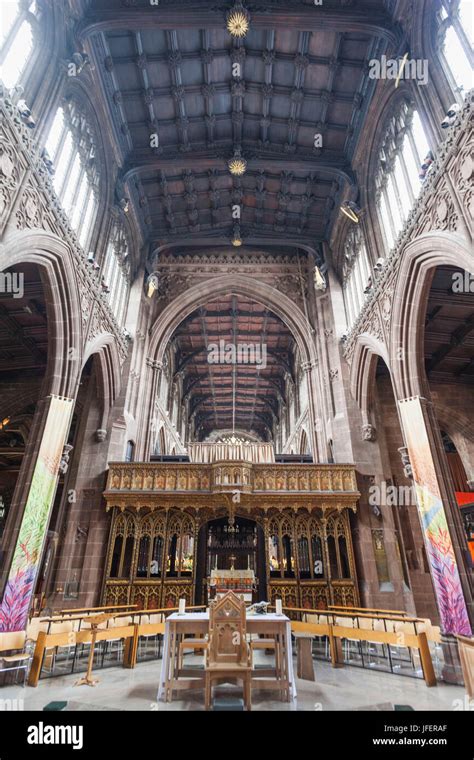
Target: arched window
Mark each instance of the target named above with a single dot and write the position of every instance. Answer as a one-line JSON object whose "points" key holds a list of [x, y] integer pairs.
{"points": [[71, 148], [398, 180], [455, 41], [116, 273], [357, 274], [130, 451], [17, 26]]}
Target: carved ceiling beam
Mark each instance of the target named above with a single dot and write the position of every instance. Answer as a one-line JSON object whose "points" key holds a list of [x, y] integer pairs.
{"points": [[253, 237], [13, 329], [334, 166], [228, 313], [202, 15], [457, 339]]}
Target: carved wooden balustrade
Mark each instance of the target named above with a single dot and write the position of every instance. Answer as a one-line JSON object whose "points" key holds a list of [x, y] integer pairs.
{"points": [[263, 486]]}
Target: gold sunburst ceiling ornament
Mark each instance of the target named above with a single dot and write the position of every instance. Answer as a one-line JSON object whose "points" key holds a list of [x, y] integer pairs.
{"points": [[238, 21], [237, 166]]}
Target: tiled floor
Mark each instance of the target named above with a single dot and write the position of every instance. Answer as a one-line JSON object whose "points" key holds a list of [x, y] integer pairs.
{"points": [[346, 688]]}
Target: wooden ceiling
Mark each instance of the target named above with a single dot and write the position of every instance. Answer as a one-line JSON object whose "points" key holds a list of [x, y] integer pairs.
{"points": [[301, 71], [23, 326], [239, 396], [449, 331]]}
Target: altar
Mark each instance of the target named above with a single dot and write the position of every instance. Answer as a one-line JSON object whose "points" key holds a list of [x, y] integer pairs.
{"points": [[241, 582]]}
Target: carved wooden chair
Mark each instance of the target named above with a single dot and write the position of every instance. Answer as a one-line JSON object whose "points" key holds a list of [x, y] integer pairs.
{"points": [[228, 656]]}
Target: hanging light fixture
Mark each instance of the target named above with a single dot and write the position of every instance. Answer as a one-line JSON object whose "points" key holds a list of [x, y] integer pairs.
{"points": [[236, 237], [351, 210], [151, 285], [238, 21], [237, 164]]}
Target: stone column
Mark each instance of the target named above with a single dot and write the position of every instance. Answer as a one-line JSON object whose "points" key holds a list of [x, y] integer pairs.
{"points": [[441, 526], [316, 422], [146, 421]]}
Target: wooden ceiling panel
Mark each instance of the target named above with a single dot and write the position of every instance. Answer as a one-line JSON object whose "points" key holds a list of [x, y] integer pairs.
{"points": [[225, 394], [172, 73]]}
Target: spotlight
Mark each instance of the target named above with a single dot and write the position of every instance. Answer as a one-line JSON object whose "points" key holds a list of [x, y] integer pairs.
{"points": [[80, 60], [428, 160], [124, 204], [25, 113], [152, 285], [379, 265], [47, 161], [351, 210], [451, 116], [319, 280], [15, 94], [90, 257], [238, 21]]}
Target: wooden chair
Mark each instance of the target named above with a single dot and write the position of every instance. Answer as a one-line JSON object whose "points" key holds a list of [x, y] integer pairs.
{"points": [[20, 660], [228, 656], [466, 654], [195, 645]]}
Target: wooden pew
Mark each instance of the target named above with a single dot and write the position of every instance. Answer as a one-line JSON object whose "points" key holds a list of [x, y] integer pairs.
{"points": [[336, 633], [466, 655], [51, 640]]}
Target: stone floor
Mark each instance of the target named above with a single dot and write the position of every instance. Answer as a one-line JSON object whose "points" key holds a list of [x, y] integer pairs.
{"points": [[347, 688]]}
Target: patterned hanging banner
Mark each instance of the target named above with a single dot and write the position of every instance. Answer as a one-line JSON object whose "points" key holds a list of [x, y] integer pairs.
{"points": [[439, 547], [21, 581]]}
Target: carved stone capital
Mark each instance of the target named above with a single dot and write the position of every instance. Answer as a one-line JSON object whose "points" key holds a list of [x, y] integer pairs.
{"points": [[368, 433]]}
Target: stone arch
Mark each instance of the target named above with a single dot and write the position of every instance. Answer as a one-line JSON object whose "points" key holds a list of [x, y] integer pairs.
{"points": [[419, 261], [367, 352], [292, 316], [104, 348], [57, 268], [197, 295]]}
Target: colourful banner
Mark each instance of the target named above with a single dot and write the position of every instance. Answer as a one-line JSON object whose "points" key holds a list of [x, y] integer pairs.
{"points": [[439, 546], [21, 581]]}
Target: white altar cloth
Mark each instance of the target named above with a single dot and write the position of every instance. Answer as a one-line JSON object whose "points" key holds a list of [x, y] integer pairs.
{"points": [[204, 616]]}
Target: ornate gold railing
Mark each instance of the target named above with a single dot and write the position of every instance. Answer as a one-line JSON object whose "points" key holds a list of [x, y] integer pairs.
{"points": [[185, 484]]}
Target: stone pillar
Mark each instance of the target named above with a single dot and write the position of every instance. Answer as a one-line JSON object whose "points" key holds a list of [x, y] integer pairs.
{"points": [[441, 526], [316, 423], [21, 581], [146, 422]]}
